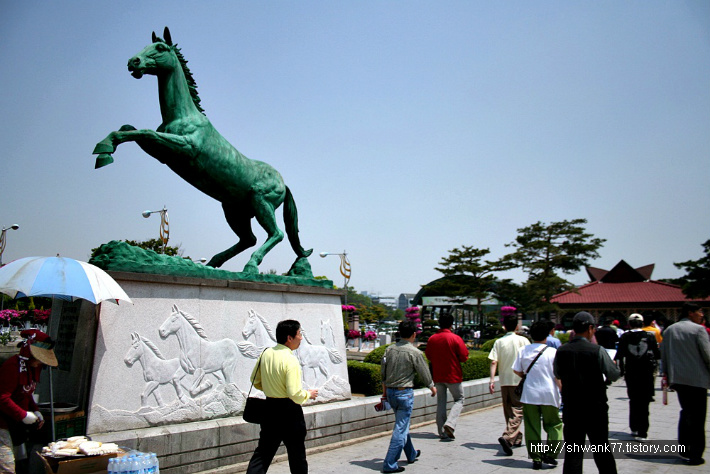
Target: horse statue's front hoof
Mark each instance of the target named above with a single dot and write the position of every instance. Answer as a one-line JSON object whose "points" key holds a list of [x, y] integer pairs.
{"points": [[102, 160], [103, 147], [251, 269]]}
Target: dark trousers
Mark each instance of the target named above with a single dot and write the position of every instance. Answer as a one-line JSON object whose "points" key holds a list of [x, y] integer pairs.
{"points": [[581, 422], [640, 391], [691, 426], [284, 422]]}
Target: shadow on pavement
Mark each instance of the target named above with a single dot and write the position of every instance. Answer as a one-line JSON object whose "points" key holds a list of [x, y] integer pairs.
{"points": [[424, 435], [374, 464], [510, 462], [493, 447]]}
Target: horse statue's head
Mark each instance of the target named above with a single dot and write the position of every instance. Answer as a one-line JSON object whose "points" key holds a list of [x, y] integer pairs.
{"points": [[156, 57], [163, 57]]}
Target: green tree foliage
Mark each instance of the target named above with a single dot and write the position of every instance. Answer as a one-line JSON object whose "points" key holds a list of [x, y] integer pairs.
{"points": [[466, 261], [356, 299], [541, 250], [372, 313], [696, 282]]}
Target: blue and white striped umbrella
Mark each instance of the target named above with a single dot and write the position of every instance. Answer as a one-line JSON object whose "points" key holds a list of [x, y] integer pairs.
{"points": [[59, 277]]}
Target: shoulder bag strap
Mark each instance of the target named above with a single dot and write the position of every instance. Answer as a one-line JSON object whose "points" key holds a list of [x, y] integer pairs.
{"points": [[535, 360], [258, 367]]}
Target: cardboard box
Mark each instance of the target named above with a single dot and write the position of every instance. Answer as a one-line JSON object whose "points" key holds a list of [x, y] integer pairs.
{"points": [[83, 465]]}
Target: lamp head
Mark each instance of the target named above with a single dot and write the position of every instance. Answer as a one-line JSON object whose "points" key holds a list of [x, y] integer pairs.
{"points": [[146, 214], [323, 254], [14, 227]]}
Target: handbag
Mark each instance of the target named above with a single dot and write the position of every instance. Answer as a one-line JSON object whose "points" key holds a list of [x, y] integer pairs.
{"points": [[519, 389], [255, 407], [384, 405]]}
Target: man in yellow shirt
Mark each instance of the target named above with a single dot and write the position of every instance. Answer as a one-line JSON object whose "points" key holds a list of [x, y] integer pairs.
{"points": [[278, 375], [652, 328]]}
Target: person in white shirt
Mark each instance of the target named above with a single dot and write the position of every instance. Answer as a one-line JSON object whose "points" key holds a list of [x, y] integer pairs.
{"points": [[502, 357], [541, 396]]}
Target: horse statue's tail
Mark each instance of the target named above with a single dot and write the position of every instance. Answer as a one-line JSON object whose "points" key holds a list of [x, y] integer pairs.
{"points": [[291, 222]]}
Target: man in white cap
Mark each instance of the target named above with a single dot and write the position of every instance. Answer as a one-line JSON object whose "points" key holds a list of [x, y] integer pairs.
{"points": [[637, 356], [19, 376]]}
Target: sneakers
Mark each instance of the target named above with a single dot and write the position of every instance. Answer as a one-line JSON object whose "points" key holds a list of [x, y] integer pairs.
{"points": [[419, 453], [449, 431], [507, 449], [694, 461], [537, 465]]}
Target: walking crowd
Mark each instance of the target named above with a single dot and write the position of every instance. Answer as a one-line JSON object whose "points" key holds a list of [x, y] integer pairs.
{"points": [[572, 379], [545, 386]]}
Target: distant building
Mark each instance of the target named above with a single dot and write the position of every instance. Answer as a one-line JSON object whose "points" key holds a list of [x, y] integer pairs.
{"points": [[435, 301], [389, 301], [616, 293], [405, 300]]}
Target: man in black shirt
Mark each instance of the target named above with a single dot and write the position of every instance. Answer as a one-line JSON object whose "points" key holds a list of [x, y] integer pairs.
{"points": [[585, 369], [606, 336], [637, 356]]}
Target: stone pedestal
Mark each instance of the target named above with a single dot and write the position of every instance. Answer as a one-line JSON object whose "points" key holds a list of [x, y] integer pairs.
{"points": [[184, 351]]}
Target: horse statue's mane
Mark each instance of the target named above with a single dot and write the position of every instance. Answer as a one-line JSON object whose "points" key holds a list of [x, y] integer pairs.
{"points": [[195, 324], [266, 325], [152, 347], [192, 85]]}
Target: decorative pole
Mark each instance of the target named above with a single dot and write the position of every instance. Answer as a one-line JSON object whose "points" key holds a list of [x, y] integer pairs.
{"points": [[164, 225], [3, 239]]}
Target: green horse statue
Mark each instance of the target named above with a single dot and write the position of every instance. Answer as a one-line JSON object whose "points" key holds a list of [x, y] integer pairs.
{"points": [[188, 144]]}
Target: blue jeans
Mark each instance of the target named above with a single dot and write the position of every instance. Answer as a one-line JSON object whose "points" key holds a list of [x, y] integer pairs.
{"points": [[402, 402]]}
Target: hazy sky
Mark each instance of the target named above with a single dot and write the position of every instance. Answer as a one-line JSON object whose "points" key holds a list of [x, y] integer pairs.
{"points": [[404, 129]]}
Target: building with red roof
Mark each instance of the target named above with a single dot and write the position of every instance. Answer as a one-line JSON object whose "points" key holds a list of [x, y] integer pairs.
{"points": [[617, 293]]}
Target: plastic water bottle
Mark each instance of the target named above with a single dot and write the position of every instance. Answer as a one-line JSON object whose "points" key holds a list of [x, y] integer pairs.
{"points": [[136, 465], [146, 464], [112, 466], [121, 465], [155, 463]]}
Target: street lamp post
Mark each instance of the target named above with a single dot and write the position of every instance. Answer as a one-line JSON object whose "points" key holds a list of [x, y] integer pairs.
{"points": [[345, 269], [2, 249], [2, 238], [164, 225]]}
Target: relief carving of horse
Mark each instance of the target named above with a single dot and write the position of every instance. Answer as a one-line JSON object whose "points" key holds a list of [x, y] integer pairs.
{"points": [[315, 358], [198, 355], [264, 335], [187, 142], [156, 369]]}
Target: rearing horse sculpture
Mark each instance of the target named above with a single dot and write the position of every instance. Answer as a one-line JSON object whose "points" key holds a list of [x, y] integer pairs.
{"points": [[188, 144]]}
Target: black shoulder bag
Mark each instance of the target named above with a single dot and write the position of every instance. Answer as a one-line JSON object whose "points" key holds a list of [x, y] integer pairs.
{"points": [[521, 384], [255, 407]]}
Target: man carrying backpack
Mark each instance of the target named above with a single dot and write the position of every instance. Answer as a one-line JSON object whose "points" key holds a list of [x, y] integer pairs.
{"points": [[637, 356]]}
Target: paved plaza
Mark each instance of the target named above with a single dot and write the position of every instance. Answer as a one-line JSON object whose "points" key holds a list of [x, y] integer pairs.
{"points": [[476, 446]]}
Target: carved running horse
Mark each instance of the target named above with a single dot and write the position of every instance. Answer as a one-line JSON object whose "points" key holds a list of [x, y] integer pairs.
{"points": [[188, 144]]}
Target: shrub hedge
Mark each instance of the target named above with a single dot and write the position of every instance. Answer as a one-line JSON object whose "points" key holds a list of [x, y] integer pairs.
{"points": [[488, 345], [365, 376]]}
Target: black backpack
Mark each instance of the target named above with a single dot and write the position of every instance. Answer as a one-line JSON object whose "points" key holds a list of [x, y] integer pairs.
{"points": [[639, 353]]}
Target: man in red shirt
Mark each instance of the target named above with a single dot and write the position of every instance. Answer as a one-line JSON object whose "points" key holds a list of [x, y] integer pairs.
{"points": [[446, 351]]}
